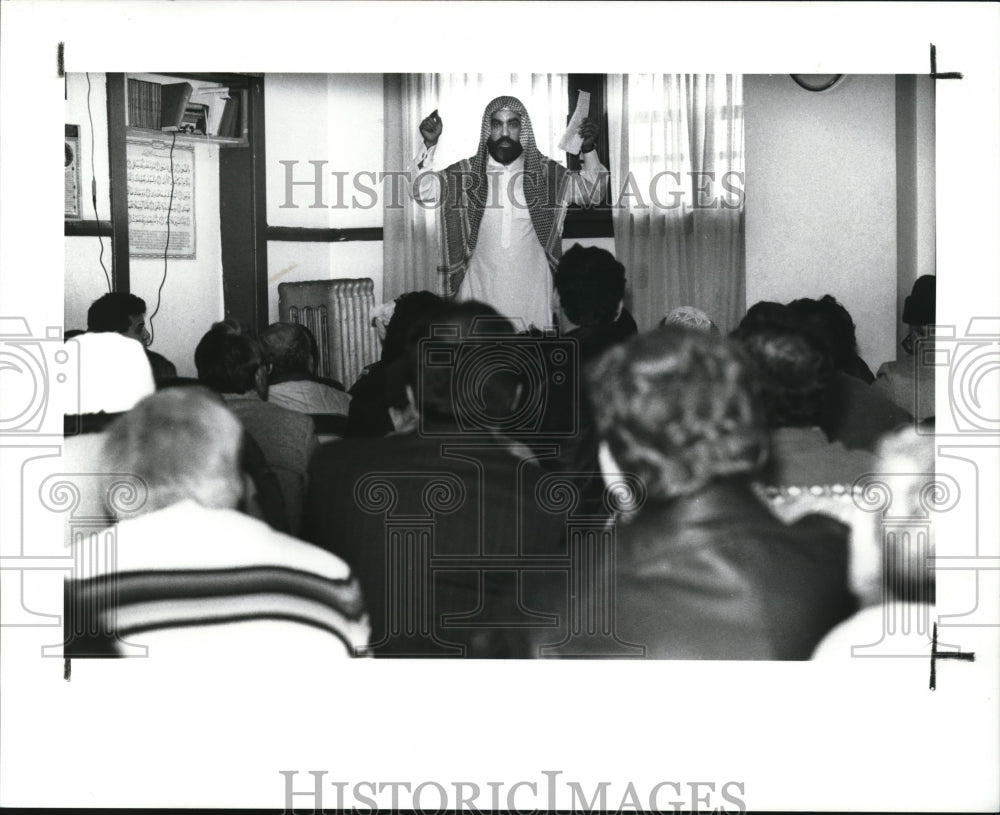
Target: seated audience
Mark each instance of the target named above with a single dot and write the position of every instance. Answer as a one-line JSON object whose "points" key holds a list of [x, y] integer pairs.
{"points": [[114, 375], [290, 350], [701, 569], [125, 314], [190, 576], [855, 413], [590, 287], [232, 365], [909, 381], [691, 317], [796, 372], [456, 489], [369, 413]]}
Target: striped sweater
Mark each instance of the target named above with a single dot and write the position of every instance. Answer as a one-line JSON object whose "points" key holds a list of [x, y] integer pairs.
{"points": [[192, 577]]}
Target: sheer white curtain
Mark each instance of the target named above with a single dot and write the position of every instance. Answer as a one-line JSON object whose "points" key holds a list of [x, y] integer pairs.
{"points": [[677, 173], [410, 231]]}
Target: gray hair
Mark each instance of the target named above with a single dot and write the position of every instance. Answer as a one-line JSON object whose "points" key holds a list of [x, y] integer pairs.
{"points": [[181, 443]]}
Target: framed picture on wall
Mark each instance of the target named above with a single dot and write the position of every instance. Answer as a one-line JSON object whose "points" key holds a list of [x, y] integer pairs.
{"points": [[72, 167], [160, 183]]}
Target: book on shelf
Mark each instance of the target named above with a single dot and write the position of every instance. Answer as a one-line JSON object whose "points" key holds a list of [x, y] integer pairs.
{"points": [[229, 126], [143, 104], [174, 101], [214, 98]]}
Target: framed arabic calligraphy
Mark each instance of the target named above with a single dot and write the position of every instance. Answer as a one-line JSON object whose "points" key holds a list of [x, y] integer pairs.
{"points": [[160, 181]]}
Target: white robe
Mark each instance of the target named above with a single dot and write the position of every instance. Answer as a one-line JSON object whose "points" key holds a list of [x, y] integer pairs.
{"points": [[508, 268]]}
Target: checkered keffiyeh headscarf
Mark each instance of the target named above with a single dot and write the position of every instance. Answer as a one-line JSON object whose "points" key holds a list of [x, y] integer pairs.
{"points": [[543, 190]]}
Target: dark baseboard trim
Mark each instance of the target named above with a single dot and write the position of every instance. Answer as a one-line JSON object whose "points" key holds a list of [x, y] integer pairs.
{"points": [[304, 235]]}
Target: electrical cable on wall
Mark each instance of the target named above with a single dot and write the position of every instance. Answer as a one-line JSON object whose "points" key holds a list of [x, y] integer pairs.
{"points": [[166, 245], [93, 185]]}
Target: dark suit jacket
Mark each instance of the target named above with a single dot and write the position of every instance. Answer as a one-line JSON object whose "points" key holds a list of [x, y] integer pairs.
{"points": [[716, 576], [419, 519]]}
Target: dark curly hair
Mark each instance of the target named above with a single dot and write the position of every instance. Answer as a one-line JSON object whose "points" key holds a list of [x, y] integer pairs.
{"points": [[228, 362], [112, 312], [591, 284], [795, 367], [410, 307], [678, 408], [830, 321]]}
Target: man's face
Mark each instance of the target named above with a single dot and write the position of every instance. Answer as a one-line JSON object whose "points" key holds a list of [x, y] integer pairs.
{"points": [[505, 136], [137, 328]]}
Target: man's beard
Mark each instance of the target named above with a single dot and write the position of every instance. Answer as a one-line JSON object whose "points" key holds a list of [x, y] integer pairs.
{"points": [[504, 150]]}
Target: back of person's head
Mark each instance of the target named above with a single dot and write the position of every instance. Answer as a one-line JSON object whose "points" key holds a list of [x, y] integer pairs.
{"points": [[692, 318], [182, 443], [480, 377], [290, 349], [920, 306], [591, 285], [763, 312], [679, 408], [228, 362], [409, 308], [830, 322], [114, 373], [795, 368], [114, 312]]}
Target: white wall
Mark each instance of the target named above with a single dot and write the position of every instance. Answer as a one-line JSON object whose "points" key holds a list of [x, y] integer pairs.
{"points": [[915, 186], [336, 118], [290, 262], [85, 281], [821, 199], [191, 299]]}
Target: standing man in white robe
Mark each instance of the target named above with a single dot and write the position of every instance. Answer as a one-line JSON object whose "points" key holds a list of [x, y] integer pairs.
{"points": [[501, 210]]}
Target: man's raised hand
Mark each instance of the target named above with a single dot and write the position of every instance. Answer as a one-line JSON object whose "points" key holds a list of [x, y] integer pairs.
{"points": [[430, 129], [588, 132]]}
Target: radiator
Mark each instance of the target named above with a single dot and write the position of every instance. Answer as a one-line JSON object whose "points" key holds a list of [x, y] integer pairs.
{"points": [[339, 315]]}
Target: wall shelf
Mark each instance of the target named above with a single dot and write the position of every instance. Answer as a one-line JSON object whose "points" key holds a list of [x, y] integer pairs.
{"points": [[166, 137], [242, 212], [208, 84]]}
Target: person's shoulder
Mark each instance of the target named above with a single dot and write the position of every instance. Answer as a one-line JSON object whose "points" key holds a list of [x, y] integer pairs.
{"points": [[890, 370], [461, 166], [288, 417]]}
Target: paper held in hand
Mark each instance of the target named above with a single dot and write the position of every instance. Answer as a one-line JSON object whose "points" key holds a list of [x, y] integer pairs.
{"points": [[571, 141]]}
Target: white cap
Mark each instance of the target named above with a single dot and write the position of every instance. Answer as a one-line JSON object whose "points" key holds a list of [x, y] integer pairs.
{"points": [[114, 372]]}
